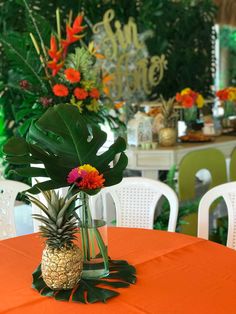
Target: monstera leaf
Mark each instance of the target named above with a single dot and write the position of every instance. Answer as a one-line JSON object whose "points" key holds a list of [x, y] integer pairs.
{"points": [[62, 140]]}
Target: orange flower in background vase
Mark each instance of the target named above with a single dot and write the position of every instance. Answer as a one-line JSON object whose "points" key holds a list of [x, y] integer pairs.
{"points": [[227, 94], [72, 75], [80, 93], [187, 98], [60, 90]]}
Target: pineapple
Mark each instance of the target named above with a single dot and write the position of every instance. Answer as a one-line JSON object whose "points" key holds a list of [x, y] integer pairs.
{"points": [[168, 112], [62, 259], [168, 134]]}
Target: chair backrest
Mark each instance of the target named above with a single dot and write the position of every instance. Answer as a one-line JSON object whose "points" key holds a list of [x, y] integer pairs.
{"points": [[228, 192], [232, 166], [8, 192], [211, 159], [135, 201]]}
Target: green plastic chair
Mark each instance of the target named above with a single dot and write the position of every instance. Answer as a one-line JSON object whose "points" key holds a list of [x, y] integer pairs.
{"points": [[210, 159], [232, 166]]}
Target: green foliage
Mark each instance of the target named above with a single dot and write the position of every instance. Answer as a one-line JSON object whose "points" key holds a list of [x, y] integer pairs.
{"points": [[121, 275], [62, 140], [227, 37]]}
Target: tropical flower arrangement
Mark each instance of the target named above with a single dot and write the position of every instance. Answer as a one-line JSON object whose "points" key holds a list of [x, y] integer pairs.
{"points": [[74, 78], [59, 67], [188, 98], [227, 94]]}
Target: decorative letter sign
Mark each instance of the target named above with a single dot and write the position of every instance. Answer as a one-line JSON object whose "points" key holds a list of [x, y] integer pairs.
{"points": [[133, 72]]}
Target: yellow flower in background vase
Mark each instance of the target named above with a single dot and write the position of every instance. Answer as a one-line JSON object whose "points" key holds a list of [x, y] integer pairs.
{"points": [[200, 101], [185, 91]]}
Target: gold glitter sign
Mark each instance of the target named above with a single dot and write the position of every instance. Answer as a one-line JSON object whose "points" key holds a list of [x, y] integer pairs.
{"points": [[126, 57]]}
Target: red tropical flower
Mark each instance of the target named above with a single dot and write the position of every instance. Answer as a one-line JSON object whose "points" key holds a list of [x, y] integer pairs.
{"points": [[24, 84], [54, 66], [94, 93], [72, 33], [80, 93], [72, 75], [60, 90], [53, 52]]}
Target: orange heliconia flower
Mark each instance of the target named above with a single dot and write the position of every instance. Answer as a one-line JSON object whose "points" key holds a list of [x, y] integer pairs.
{"points": [[54, 66], [53, 52], [56, 55], [72, 32], [94, 93], [72, 75], [80, 93], [60, 90]]}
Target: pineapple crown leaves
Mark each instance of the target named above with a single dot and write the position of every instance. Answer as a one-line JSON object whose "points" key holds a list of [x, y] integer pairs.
{"points": [[168, 111], [59, 222], [62, 140], [57, 208]]}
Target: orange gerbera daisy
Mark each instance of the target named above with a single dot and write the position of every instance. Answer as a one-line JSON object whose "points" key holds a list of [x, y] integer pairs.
{"points": [[72, 75], [80, 93], [94, 93], [86, 177], [60, 90]]}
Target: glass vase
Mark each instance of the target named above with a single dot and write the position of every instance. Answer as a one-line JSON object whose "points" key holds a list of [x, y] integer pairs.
{"points": [[93, 234]]}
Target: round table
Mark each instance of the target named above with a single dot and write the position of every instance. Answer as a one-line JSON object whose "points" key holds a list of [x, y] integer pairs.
{"points": [[175, 274]]}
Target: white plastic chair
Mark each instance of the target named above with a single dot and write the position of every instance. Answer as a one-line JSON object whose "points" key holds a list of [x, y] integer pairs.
{"points": [[228, 192], [8, 192], [135, 200]]}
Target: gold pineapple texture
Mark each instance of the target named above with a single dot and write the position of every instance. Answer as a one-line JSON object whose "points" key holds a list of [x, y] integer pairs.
{"points": [[168, 112], [62, 259]]}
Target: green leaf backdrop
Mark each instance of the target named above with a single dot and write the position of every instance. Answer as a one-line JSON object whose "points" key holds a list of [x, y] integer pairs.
{"points": [[182, 30]]}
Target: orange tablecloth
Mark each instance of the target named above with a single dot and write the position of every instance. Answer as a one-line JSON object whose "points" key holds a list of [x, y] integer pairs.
{"points": [[176, 274]]}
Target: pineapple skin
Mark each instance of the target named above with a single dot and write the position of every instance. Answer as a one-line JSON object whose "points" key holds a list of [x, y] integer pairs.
{"points": [[62, 267]]}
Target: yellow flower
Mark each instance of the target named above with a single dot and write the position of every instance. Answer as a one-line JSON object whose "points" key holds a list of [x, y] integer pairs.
{"points": [[185, 91], [87, 168], [231, 93], [231, 96], [200, 101]]}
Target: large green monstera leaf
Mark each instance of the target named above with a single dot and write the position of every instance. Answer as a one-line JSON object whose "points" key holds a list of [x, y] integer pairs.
{"points": [[62, 140]]}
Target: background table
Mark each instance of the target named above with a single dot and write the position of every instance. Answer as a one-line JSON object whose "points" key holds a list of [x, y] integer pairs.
{"points": [[175, 274], [163, 158]]}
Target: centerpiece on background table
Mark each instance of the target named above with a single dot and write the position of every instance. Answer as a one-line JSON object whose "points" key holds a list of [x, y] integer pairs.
{"points": [[191, 102], [227, 97], [68, 144]]}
